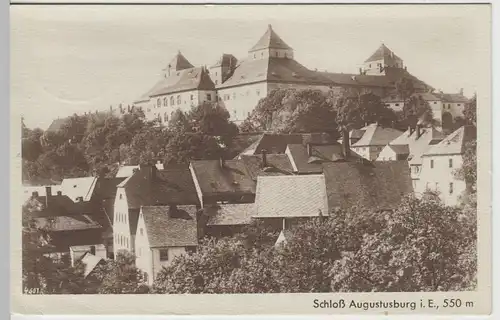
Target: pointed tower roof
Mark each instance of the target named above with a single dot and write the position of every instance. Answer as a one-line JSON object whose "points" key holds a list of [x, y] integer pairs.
{"points": [[270, 40], [382, 53], [179, 62]]}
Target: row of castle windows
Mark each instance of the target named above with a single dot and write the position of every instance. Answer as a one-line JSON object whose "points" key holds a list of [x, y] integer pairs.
{"points": [[276, 54], [179, 100], [228, 96]]}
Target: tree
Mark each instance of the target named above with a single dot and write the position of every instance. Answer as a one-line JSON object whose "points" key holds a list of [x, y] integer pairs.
{"points": [[414, 251], [416, 109], [468, 173], [470, 111], [291, 110], [120, 276]]}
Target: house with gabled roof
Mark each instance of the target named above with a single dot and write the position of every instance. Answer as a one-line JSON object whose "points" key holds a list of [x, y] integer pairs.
{"points": [[225, 219], [149, 186], [440, 162], [163, 233], [410, 146], [374, 139]]}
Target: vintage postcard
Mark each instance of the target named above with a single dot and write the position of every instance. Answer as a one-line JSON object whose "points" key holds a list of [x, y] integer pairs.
{"points": [[251, 159]]}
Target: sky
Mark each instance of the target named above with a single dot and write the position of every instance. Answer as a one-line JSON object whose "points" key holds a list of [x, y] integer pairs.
{"points": [[75, 59]]}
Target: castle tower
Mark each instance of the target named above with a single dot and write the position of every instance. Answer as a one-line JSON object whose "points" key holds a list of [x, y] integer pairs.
{"points": [[381, 59], [270, 45], [179, 62], [223, 68]]}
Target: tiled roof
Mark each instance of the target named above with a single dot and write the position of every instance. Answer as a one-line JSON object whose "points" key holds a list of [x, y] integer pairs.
{"points": [[215, 179], [277, 164], [379, 185], [105, 192], [376, 135], [59, 205], [306, 163], [273, 70], [291, 196], [179, 62], [229, 214], [28, 191], [382, 53], [184, 80], [453, 143], [173, 185], [270, 40], [273, 143], [452, 97], [90, 261], [171, 226], [79, 187], [400, 149], [418, 145], [67, 223]]}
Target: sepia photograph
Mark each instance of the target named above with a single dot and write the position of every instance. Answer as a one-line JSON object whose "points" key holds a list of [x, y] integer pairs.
{"points": [[202, 150]]}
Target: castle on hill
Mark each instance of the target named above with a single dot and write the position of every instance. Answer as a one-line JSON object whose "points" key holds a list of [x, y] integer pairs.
{"points": [[270, 64]]}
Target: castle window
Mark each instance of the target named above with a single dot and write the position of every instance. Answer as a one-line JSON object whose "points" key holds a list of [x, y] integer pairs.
{"points": [[432, 164], [172, 102], [258, 92], [158, 103], [165, 102], [209, 97], [450, 163], [397, 104], [234, 95], [254, 56], [215, 73], [165, 117], [262, 54], [370, 65], [179, 101], [450, 190], [458, 104], [192, 97], [435, 102]]}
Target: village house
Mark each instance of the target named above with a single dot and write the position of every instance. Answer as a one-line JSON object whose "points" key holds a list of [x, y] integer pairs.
{"points": [[410, 146], [439, 165], [163, 233], [148, 186], [68, 223], [374, 139], [225, 219]]}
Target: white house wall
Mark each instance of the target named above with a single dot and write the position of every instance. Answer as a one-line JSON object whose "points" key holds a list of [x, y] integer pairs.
{"points": [[122, 239], [440, 176], [143, 255]]}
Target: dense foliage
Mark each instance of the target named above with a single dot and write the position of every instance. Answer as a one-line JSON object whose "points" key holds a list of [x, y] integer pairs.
{"points": [[94, 144], [356, 250]]}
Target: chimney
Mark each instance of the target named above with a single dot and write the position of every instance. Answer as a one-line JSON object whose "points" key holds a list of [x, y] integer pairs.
{"points": [[34, 194], [345, 143], [59, 193], [461, 91], [48, 195], [92, 250], [409, 130], [264, 158], [309, 151], [79, 199], [418, 131]]}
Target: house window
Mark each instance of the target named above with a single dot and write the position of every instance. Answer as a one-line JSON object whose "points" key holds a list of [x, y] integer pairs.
{"points": [[458, 104], [262, 54], [370, 65], [209, 97], [158, 103], [121, 196], [432, 164], [437, 186], [254, 56], [179, 101], [435, 102], [414, 183], [192, 97], [451, 188], [163, 254], [258, 92], [216, 82], [450, 163], [145, 277], [141, 231], [139, 252], [172, 102]]}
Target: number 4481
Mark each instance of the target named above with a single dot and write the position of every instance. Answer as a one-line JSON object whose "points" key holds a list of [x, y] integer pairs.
{"points": [[32, 291]]}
